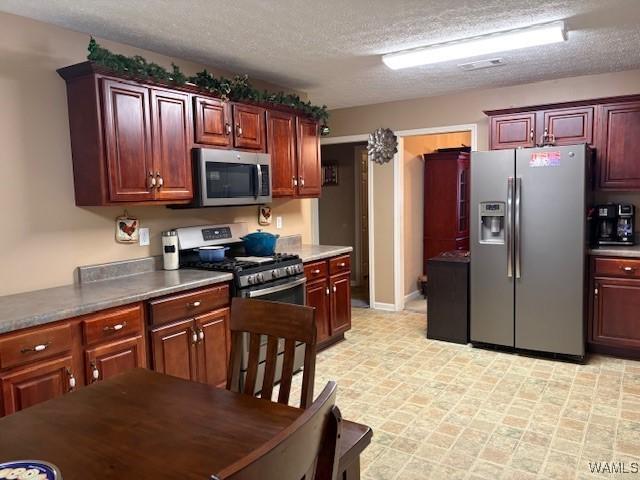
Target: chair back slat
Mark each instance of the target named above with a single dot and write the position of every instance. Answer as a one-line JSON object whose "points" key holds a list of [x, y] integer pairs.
{"points": [[270, 367], [252, 364], [294, 324], [287, 371], [310, 444]]}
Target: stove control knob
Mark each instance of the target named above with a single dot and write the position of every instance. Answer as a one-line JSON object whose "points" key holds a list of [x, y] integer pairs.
{"points": [[260, 277], [298, 268], [251, 280], [288, 270], [275, 273]]}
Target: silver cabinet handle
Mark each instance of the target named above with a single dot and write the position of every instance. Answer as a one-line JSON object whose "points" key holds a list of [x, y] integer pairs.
{"points": [[152, 181], [95, 373], [72, 379], [227, 128], [328, 291], [334, 289], [628, 269], [342, 264], [238, 130], [115, 328], [301, 181], [200, 334], [195, 304], [194, 335], [316, 271], [36, 348], [518, 204], [160, 180], [508, 227], [531, 134], [295, 181]]}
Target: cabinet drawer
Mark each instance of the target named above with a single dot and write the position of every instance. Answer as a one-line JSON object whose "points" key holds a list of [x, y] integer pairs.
{"points": [[340, 264], [112, 324], [316, 270], [617, 267], [189, 304], [38, 344]]}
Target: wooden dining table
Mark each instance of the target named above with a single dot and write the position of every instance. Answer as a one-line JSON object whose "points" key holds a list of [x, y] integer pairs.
{"points": [[145, 425]]}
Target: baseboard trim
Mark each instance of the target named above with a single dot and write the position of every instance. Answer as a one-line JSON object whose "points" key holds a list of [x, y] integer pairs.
{"points": [[412, 296], [388, 307]]}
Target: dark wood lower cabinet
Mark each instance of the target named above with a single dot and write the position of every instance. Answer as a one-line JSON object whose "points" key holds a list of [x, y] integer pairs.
{"points": [[35, 383], [340, 303], [105, 361], [318, 296], [173, 352], [614, 322], [212, 349], [329, 292]]}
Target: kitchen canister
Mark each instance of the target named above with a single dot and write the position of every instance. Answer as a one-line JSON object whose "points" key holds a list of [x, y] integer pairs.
{"points": [[170, 255], [29, 470]]}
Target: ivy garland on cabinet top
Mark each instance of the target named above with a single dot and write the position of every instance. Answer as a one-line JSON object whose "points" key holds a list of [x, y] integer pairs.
{"points": [[237, 89]]}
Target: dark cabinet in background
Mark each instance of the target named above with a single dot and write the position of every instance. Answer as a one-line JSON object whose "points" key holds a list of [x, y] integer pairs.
{"points": [[610, 125], [309, 168], [249, 127], [340, 286], [446, 203], [281, 145], [319, 297], [212, 119]]}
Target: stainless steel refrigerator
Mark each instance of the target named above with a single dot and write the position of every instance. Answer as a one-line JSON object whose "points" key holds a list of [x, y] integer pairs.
{"points": [[528, 247]]}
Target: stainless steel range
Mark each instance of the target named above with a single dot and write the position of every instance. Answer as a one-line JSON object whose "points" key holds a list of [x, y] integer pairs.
{"points": [[277, 278]]}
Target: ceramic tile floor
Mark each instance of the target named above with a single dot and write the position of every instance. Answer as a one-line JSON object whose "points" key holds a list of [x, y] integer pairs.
{"points": [[447, 411]]}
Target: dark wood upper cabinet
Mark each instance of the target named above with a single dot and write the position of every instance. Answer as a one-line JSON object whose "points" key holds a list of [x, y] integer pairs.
{"points": [[618, 145], [309, 168], [127, 134], [172, 130], [281, 144], [249, 127], [212, 122], [512, 131], [569, 126]]}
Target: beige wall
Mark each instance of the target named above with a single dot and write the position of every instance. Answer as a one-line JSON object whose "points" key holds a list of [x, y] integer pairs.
{"points": [[462, 108], [413, 149], [337, 206], [45, 236], [383, 248]]}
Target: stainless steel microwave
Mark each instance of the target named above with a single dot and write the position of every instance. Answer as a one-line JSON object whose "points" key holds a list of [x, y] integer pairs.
{"points": [[230, 177]]}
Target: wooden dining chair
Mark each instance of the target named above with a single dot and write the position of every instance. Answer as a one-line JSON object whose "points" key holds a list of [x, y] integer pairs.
{"points": [[308, 449], [291, 323]]}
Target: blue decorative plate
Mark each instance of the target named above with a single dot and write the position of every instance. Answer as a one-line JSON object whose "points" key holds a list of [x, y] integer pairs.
{"points": [[29, 470]]}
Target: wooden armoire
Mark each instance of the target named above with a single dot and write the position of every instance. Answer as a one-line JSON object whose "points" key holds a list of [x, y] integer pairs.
{"points": [[446, 202]]}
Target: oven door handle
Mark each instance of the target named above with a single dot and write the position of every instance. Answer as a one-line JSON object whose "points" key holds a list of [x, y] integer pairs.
{"points": [[277, 288]]}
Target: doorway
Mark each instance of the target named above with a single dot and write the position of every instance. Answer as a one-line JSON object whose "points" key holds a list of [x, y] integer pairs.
{"points": [[343, 210]]}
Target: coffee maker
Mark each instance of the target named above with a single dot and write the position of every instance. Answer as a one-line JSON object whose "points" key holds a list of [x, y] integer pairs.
{"points": [[615, 224]]}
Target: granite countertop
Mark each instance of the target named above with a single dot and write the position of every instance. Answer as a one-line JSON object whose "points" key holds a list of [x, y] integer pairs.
{"points": [[38, 307], [613, 251], [310, 253]]}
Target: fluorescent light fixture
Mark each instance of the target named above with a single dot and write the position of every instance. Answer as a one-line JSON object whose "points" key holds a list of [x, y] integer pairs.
{"points": [[534, 35]]}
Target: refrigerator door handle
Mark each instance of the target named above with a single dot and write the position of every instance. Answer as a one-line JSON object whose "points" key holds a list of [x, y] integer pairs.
{"points": [[508, 227], [517, 225]]}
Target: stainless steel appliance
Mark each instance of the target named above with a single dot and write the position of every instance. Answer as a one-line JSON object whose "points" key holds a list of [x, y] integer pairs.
{"points": [[625, 229], [277, 278], [528, 248], [230, 177], [607, 218]]}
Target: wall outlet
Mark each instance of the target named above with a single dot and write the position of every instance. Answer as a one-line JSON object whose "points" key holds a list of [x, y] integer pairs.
{"points": [[278, 222], [144, 237]]}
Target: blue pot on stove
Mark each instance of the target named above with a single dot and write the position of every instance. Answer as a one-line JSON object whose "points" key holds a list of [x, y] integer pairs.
{"points": [[260, 244]]}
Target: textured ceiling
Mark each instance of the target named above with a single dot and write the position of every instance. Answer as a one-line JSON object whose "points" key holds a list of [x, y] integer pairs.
{"points": [[331, 48]]}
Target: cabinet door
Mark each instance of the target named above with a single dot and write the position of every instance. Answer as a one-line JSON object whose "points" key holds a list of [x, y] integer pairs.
{"points": [[36, 383], [127, 131], [616, 306], [213, 347], [512, 131], [105, 361], [281, 144], [463, 189], [174, 351], [340, 286], [569, 126], [213, 122], [249, 128], [171, 145], [309, 169], [318, 297], [618, 146]]}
